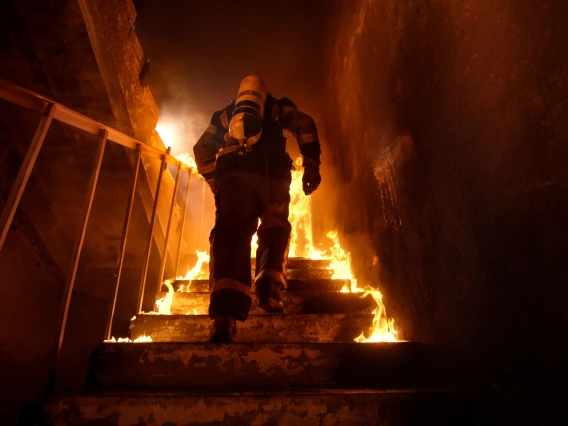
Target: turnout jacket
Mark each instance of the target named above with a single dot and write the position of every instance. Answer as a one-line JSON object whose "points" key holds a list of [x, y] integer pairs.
{"points": [[217, 153]]}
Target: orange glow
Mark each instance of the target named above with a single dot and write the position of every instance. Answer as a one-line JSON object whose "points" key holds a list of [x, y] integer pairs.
{"points": [[254, 243], [167, 133], [301, 242], [301, 245], [171, 135], [189, 161], [165, 303], [141, 339], [197, 272], [383, 327]]}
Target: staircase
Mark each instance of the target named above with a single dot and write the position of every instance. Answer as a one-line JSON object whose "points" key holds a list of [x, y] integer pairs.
{"points": [[297, 368]]}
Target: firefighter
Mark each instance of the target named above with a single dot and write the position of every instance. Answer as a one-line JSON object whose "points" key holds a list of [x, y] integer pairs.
{"points": [[242, 156]]}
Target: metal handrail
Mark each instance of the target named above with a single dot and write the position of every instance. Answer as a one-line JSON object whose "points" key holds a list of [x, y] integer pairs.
{"points": [[30, 100], [51, 110]]}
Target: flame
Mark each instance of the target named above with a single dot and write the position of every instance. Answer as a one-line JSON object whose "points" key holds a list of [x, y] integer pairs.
{"points": [[254, 243], [165, 303], [189, 161], [196, 271], [141, 339], [340, 263], [300, 217], [301, 245], [383, 327]]}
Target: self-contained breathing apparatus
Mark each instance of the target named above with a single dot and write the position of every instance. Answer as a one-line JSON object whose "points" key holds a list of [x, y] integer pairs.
{"points": [[246, 123]]}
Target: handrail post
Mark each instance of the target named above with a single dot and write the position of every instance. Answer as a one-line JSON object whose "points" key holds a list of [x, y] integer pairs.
{"points": [[202, 213], [183, 218], [25, 171], [142, 287], [168, 227], [122, 247], [76, 254]]}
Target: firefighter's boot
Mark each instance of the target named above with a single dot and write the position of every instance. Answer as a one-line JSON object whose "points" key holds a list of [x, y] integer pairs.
{"points": [[223, 330], [269, 294]]}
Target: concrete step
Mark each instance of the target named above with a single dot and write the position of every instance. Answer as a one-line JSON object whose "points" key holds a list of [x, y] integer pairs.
{"points": [[291, 274], [258, 328], [256, 365], [185, 303], [355, 407], [293, 285], [300, 268]]}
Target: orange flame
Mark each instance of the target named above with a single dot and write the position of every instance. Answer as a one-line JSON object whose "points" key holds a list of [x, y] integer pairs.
{"points": [[301, 245], [189, 161], [300, 217], [197, 271], [254, 243], [141, 339], [165, 303], [383, 327]]}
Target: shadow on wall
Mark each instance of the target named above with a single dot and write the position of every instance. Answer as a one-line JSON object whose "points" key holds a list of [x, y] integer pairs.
{"points": [[447, 126]]}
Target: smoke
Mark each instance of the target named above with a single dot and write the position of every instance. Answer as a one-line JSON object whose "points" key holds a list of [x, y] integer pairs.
{"points": [[182, 117], [180, 126]]}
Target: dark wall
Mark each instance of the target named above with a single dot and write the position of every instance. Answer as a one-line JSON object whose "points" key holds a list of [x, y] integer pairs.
{"points": [[448, 129], [48, 48]]}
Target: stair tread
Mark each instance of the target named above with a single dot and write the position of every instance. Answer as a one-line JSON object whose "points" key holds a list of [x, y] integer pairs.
{"points": [[216, 392], [296, 407], [284, 293], [257, 328], [307, 302], [257, 365], [293, 285], [291, 317]]}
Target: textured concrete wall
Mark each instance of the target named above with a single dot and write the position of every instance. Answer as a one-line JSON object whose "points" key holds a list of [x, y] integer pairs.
{"points": [[58, 50], [448, 129]]}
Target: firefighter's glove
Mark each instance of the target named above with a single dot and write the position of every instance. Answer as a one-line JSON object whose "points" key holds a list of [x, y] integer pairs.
{"points": [[311, 178]]}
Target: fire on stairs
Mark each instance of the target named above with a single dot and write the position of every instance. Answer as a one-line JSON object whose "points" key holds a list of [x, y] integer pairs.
{"points": [[302, 367], [299, 368], [325, 270]]}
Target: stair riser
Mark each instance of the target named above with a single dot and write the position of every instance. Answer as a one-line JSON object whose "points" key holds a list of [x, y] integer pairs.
{"points": [[424, 408], [293, 285], [265, 328], [294, 303], [268, 366], [299, 274], [301, 268]]}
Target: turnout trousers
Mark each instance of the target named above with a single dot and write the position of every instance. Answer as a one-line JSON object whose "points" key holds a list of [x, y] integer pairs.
{"points": [[241, 199]]}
